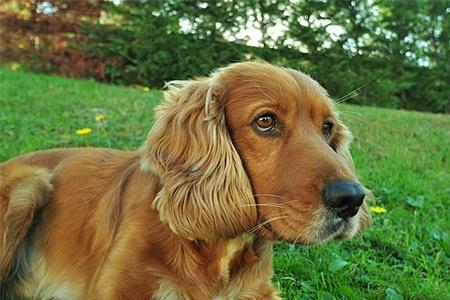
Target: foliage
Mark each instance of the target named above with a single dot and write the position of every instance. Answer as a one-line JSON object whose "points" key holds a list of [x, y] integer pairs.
{"points": [[146, 46], [405, 253], [44, 35], [393, 53], [400, 48]]}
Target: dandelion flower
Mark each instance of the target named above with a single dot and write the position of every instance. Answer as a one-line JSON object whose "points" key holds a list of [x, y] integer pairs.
{"points": [[83, 131], [15, 66], [21, 46], [100, 118], [377, 209]]}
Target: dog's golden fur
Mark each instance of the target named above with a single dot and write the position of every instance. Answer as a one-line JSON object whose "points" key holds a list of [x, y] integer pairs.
{"points": [[193, 213]]}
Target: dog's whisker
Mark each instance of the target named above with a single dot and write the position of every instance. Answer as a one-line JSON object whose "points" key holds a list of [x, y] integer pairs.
{"points": [[262, 204], [270, 195], [352, 113], [296, 239], [278, 205], [264, 223], [286, 228], [352, 94], [277, 196], [257, 227]]}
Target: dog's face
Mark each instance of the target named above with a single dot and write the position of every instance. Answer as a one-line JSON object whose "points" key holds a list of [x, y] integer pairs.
{"points": [[295, 151], [255, 147]]}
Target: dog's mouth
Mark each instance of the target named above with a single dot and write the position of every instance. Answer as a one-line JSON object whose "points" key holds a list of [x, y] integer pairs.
{"points": [[333, 227], [328, 227]]}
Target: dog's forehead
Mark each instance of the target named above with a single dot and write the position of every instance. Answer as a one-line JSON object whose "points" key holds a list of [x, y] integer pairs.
{"points": [[250, 85], [313, 98]]}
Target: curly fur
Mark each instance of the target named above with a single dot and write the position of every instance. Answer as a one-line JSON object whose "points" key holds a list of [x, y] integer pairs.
{"points": [[190, 149]]}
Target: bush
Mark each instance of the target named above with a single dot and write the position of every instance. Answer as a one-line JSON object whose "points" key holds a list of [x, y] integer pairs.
{"points": [[394, 58]]}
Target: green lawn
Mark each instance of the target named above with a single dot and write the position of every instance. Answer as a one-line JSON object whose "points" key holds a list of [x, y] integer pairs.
{"points": [[402, 156]]}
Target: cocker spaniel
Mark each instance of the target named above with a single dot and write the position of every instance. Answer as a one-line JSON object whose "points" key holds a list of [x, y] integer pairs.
{"points": [[250, 155]]}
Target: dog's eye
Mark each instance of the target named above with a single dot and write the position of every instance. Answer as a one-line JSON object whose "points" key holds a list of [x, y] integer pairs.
{"points": [[265, 122], [327, 127]]}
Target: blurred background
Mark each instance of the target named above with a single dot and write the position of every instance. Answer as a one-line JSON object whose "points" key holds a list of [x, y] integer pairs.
{"points": [[391, 53]]}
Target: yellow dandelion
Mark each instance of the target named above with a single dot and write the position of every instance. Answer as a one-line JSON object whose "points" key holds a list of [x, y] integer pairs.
{"points": [[21, 46], [15, 66], [100, 118], [83, 131], [378, 209]]}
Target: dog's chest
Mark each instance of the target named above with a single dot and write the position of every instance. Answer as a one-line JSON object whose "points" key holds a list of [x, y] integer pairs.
{"points": [[230, 281]]}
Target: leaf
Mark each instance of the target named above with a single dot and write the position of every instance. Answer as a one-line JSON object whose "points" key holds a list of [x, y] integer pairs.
{"points": [[337, 264], [326, 296], [306, 286], [391, 294], [385, 191], [417, 202], [349, 292]]}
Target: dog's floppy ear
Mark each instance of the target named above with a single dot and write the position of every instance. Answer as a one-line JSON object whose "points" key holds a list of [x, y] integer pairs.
{"points": [[205, 192]]}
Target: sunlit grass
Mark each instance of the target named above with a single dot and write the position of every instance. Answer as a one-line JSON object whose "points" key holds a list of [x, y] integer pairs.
{"points": [[402, 156]]}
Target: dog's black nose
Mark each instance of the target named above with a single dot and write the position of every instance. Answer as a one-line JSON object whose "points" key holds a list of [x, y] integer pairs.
{"points": [[343, 197]]}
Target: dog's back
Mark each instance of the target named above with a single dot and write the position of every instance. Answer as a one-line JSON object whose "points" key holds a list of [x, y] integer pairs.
{"points": [[79, 226]]}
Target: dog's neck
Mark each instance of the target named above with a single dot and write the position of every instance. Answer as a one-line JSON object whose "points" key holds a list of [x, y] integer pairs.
{"points": [[223, 258], [234, 254], [222, 266]]}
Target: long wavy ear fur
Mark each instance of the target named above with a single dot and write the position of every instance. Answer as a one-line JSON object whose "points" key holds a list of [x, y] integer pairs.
{"points": [[205, 192]]}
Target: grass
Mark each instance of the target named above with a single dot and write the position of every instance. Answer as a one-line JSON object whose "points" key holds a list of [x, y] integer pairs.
{"points": [[402, 156]]}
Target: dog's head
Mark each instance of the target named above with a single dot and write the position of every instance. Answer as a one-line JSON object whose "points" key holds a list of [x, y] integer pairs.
{"points": [[254, 147]]}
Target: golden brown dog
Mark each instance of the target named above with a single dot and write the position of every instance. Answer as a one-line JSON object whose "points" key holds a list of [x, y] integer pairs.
{"points": [[252, 154]]}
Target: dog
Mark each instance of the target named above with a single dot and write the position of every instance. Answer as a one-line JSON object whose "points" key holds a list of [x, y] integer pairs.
{"points": [[250, 155]]}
